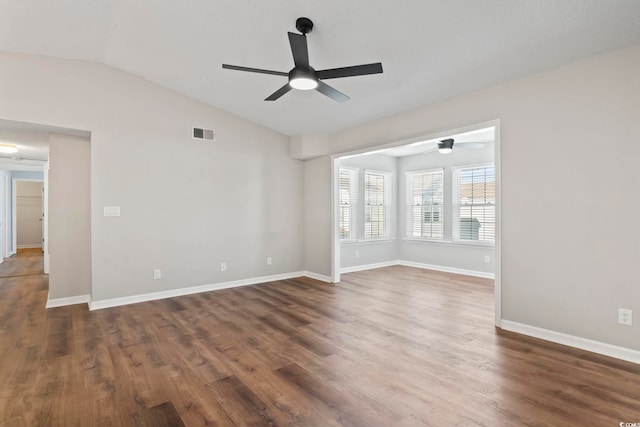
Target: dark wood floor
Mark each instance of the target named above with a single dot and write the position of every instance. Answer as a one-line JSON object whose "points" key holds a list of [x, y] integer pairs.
{"points": [[396, 346], [26, 262]]}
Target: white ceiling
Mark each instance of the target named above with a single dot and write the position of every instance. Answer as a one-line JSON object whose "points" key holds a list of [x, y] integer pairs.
{"points": [[430, 49]]}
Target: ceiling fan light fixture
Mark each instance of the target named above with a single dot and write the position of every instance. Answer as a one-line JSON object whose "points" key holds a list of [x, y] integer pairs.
{"points": [[445, 146], [303, 83], [8, 148], [303, 80]]}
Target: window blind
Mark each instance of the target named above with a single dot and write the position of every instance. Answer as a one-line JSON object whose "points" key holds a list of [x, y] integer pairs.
{"points": [[348, 203], [376, 205], [425, 204], [474, 204]]}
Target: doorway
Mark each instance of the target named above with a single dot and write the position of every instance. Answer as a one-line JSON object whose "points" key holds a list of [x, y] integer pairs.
{"points": [[436, 235], [28, 195]]}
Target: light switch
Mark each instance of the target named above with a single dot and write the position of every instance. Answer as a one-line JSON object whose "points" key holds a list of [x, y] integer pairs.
{"points": [[112, 211]]}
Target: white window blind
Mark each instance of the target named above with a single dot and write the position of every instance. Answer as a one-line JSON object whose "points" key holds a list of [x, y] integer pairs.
{"points": [[377, 199], [425, 204], [474, 204], [348, 203]]}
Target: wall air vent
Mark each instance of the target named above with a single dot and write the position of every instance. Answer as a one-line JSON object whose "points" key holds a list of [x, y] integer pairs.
{"points": [[203, 134]]}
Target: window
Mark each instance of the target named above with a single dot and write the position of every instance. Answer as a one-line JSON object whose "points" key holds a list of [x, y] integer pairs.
{"points": [[425, 204], [474, 204], [377, 199], [348, 203]]}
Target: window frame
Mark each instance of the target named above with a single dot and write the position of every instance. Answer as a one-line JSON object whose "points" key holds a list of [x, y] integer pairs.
{"points": [[354, 196], [409, 206], [388, 196], [456, 205]]}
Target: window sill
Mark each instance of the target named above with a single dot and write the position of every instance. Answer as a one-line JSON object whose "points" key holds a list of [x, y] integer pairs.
{"points": [[366, 241], [449, 242]]}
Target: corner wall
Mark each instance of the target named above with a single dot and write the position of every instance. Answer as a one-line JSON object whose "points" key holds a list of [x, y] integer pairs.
{"points": [[373, 251], [446, 253], [317, 209], [69, 216]]}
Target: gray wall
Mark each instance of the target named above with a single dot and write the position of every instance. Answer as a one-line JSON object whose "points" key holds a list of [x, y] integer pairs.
{"points": [[569, 153], [373, 251], [69, 216], [445, 254], [317, 216], [186, 206], [27, 174]]}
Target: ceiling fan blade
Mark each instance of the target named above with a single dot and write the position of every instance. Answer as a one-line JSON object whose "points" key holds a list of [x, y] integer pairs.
{"points": [[470, 144], [254, 70], [356, 70], [332, 93], [299, 50], [277, 94]]}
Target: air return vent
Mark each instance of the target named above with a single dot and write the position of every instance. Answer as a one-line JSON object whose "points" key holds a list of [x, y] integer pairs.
{"points": [[203, 134]]}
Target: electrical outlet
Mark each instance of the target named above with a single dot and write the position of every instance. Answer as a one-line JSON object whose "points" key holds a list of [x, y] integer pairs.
{"points": [[357, 254], [157, 274], [487, 259], [625, 316], [269, 260], [223, 266], [111, 211]]}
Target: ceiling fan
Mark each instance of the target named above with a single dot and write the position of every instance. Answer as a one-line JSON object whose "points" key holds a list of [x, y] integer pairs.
{"points": [[303, 76], [445, 146]]}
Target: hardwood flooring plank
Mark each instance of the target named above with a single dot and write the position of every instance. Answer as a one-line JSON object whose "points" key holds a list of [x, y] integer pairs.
{"points": [[242, 405], [162, 415]]}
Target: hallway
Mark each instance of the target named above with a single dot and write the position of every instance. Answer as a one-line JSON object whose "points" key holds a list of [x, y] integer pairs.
{"points": [[27, 262]]}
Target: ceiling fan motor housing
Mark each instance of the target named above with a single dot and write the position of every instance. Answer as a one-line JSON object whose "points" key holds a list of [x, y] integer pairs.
{"points": [[303, 73], [446, 143], [304, 25]]}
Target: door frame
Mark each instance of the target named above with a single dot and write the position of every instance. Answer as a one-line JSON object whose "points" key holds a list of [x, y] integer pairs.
{"points": [[14, 217], [4, 203], [335, 170]]}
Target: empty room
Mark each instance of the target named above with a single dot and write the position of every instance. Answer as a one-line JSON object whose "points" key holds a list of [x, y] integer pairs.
{"points": [[319, 213]]}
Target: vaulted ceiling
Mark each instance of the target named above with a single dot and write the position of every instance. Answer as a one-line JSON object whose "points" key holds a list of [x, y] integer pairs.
{"points": [[430, 49]]}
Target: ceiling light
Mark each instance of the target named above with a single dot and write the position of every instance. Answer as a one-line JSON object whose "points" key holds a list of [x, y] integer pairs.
{"points": [[445, 146], [303, 83], [8, 148], [303, 80]]}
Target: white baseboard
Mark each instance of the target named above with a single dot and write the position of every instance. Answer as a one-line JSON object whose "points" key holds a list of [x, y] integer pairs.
{"points": [[448, 269], [34, 246], [368, 266], [61, 302], [419, 265], [573, 341], [134, 299], [317, 276]]}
